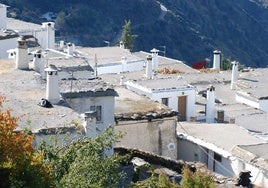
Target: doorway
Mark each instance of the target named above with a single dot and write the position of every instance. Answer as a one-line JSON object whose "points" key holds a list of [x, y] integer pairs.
{"points": [[182, 101]]}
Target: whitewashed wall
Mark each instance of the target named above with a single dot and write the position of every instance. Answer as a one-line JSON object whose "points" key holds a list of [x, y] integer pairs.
{"points": [[117, 67], [171, 94], [82, 105], [259, 104], [5, 45]]}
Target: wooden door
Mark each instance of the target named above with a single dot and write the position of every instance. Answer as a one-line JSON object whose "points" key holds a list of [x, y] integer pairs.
{"points": [[182, 101]]}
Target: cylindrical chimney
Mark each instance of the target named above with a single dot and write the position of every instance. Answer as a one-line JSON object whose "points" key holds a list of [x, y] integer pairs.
{"points": [[52, 90], [217, 59], [69, 49], [234, 74], [22, 55], [210, 107], [61, 48], [122, 80], [155, 59], [50, 35], [3, 16], [90, 124], [149, 68], [124, 63]]}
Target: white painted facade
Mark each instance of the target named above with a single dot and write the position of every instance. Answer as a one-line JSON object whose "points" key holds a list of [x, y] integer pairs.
{"points": [[107, 103], [194, 149], [171, 94], [120, 66]]}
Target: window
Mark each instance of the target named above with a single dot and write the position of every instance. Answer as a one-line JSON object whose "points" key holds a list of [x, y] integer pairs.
{"points": [[165, 101], [217, 157], [98, 112]]}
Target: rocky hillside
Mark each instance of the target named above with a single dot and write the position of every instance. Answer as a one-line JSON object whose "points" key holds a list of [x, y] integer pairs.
{"points": [[190, 30]]}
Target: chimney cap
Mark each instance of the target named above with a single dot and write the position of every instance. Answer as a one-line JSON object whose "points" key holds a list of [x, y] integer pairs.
{"points": [[154, 50], [90, 114], [149, 57], [211, 88], [51, 68], [216, 51]]}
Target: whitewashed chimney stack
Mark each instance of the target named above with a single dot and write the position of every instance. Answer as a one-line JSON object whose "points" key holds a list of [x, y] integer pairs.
{"points": [[234, 74], [21, 59], [149, 67], [216, 59], [210, 106], [155, 59], [52, 90]]}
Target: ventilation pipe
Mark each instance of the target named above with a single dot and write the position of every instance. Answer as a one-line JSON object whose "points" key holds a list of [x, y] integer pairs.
{"points": [[234, 74], [22, 55], [155, 59], [124, 63], [3, 16], [216, 59], [90, 124], [52, 90], [149, 71], [210, 107]]}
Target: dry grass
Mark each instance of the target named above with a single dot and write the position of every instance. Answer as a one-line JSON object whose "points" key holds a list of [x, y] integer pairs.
{"points": [[6, 66], [169, 71]]}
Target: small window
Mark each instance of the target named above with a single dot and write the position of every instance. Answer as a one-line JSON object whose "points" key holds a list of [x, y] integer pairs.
{"points": [[165, 101], [98, 112], [217, 157]]}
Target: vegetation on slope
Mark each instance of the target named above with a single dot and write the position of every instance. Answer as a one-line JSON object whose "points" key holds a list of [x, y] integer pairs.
{"points": [[190, 30]]}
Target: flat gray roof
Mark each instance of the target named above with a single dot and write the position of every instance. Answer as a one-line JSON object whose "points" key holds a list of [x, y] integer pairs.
{"points": [[225, 136], [19, 25], [254, 83], [106, 55], [23, 91], [165, 62], [255, 154]]}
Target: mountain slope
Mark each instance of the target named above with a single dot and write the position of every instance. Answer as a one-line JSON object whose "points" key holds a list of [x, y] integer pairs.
{"points": [[190, 30]]}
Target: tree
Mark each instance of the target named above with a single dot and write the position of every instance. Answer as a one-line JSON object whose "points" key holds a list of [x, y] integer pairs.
{"points": [[20, 164], [83, 163], [127, 38]]}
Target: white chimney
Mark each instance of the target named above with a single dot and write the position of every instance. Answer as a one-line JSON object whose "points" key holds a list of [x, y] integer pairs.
{"points": [[122, 45], [70, 49], [61, 48], [210, 107], [39, 63], [149, 67], [124, 64], [234, 74], [50, 35], [3, 16], [21, 55], [90, 125], [52, 90], [122, 80], [216, 59], [155, 59]]}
